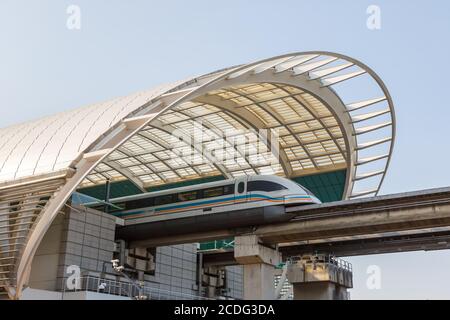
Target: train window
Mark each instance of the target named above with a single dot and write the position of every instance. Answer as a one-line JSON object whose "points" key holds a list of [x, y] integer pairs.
{"points": [[187, 196], [266, 186], [229, 189], [241, 187], [213, 192], [161, 200], [140, 203]]}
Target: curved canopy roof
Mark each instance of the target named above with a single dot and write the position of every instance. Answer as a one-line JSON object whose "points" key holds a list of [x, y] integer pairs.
{"points": [[281, 116], [52, 143]]}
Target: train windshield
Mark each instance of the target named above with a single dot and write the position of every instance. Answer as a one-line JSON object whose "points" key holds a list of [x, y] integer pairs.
{"points": [[306, 189], [267, 186]]}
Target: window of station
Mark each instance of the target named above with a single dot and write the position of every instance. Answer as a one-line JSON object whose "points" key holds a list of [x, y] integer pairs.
{"points": [[266, 186]]}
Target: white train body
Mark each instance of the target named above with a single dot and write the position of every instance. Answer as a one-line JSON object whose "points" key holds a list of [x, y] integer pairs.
{"points": [[234, 195], [244, 202]]}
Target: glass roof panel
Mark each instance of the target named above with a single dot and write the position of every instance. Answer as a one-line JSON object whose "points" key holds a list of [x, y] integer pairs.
{"points": [[226, 143]]}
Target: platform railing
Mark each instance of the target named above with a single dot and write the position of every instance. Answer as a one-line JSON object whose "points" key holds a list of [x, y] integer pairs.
{"points": [[330, 260], [126, 289]]}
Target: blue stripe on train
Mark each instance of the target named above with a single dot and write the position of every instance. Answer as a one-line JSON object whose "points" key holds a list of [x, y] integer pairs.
{"points": [[187, 205]]}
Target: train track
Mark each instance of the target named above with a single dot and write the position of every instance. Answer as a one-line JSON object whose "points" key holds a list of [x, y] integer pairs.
{"points": [[405, 201]]}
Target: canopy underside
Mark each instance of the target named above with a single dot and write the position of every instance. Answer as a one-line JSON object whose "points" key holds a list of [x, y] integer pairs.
{"points": [[229, 122]]}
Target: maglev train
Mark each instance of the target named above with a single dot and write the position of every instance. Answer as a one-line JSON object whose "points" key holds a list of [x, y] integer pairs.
{"points": [[240, 202]]}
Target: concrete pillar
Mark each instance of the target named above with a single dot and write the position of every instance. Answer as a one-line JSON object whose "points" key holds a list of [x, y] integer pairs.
{"points": [[320, 277], [259, 263], [213, 280]]}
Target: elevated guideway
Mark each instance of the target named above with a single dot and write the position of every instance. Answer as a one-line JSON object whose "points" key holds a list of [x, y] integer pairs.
{"points": [[426, 240], [409, 221], [417, 220]]}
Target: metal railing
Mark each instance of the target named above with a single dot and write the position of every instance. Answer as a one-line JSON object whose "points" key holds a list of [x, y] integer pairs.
{"points": [[125, 289], [327, 259], [324, 267]]}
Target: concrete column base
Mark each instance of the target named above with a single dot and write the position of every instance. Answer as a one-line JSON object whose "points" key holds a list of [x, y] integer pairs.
{"points": [[259, 282]]}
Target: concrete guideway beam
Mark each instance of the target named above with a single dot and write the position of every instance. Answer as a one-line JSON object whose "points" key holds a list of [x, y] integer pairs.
{"points": [[412, 212], [350, 224]]}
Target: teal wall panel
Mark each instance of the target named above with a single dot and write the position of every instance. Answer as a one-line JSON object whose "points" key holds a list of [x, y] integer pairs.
{"points": [[118, 189], [327, 186]]}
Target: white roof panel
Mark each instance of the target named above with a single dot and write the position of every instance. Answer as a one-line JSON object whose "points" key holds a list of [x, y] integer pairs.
{"points": [[50, 144]]}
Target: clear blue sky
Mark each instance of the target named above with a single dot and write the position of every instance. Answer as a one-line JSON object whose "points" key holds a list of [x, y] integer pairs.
{"points": [[126, 46]]}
